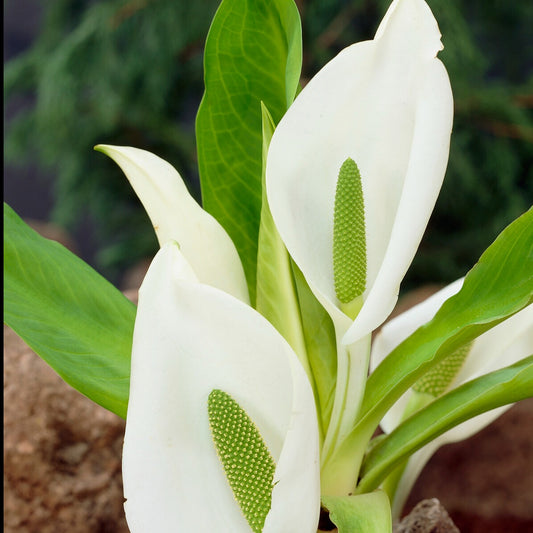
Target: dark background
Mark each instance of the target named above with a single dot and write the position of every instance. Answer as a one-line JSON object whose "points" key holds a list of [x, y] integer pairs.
{"points": [[28, 185], [83, 72]]}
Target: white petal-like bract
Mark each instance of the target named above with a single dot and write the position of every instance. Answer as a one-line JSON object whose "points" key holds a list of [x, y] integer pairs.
{"points": [[387, 104], [176, 216], [190, 339]]}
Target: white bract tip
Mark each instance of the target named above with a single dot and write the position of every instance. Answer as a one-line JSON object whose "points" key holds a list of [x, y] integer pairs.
{"points": [[387, 104], [176, 216]]}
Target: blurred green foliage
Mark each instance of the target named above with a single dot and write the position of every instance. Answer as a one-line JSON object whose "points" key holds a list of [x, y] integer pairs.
{"points": [[116, 72], [130, 72]]}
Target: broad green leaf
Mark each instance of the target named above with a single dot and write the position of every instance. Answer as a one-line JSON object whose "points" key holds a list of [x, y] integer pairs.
{"points": [[497, 287], [68, 314], [475, 397], [370, 512], [252, 55]]}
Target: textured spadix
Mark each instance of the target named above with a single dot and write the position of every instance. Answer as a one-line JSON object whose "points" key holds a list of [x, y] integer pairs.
{"points": [[176, 216], [386, 104], [349, 239], [247, 463], [503, 345], [191, 339]]}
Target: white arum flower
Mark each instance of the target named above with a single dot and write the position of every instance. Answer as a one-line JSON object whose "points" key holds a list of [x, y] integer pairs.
{"points": [[205, 366], [353, 172], [387, 106], [501, 346], [176, 216]]}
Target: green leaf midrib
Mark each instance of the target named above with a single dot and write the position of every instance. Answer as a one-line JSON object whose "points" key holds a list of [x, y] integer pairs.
{"points": [[249, 48]]}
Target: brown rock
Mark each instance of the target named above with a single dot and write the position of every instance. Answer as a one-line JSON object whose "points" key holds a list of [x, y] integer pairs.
{"points": [[429, 516], [62, 452]]}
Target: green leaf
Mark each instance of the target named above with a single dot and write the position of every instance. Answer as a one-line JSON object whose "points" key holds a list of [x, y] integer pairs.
{"points": [[475, 397], [497, 287], [252, 55], [276, 294], [284, 298], [370, 513], [68, 314], [321, 347]]}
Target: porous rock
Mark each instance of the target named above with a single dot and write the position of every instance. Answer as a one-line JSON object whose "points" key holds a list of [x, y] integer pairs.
{"points": [[428, 516]]}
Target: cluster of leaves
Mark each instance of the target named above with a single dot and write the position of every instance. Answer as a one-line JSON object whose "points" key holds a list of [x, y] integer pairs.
{"points": [[94, 83]]}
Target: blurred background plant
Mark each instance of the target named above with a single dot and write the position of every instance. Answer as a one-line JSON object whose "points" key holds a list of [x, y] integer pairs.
{"points": [[130, 72]]}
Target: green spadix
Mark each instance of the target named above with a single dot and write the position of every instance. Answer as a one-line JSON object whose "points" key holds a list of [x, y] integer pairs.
{"points": [[248, 465], [349, 239]]}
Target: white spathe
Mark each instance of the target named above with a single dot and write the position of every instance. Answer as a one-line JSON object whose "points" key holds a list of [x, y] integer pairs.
{"points": [[387, 104], [503, 345], [176, 216], [189, 339]]}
